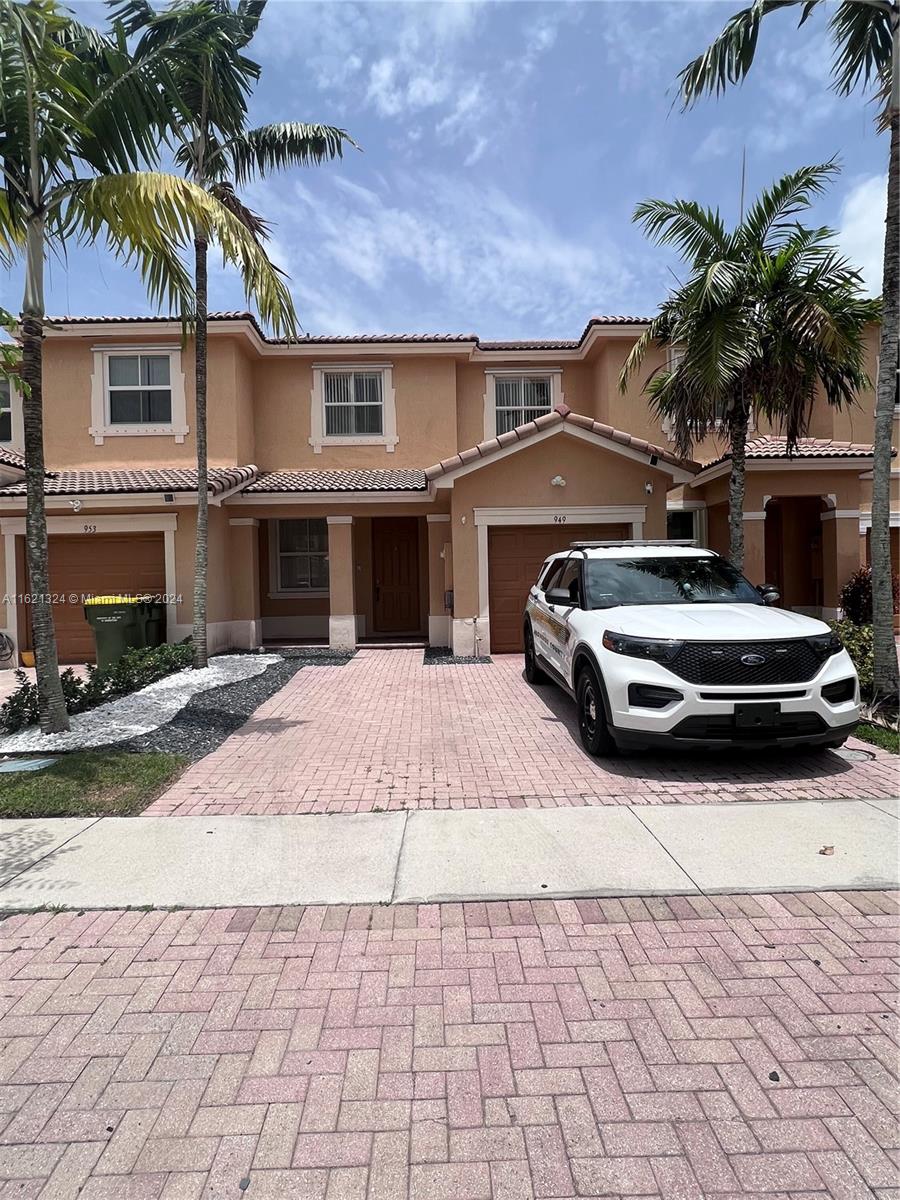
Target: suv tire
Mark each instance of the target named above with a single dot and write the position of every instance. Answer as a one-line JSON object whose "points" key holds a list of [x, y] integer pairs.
{"points": [[533, 673], [592, 724]]}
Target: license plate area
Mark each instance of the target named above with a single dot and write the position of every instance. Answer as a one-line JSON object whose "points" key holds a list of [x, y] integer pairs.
{"points": [[757, 716]]}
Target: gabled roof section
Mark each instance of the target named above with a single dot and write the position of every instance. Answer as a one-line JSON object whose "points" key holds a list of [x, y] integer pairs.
{"points": [[562, 419], [163, 479], [367, 480], [12, 459]]}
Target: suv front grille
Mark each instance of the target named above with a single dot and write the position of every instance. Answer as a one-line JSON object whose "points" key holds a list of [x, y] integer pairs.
{"points": [[792, 661]]}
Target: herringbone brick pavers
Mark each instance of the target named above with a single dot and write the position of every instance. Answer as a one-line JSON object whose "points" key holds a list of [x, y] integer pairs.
{"points": [[684, 1047], [387, 732]]}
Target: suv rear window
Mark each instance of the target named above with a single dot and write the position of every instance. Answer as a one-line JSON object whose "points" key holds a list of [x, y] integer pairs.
{"points": [[610, 582]]}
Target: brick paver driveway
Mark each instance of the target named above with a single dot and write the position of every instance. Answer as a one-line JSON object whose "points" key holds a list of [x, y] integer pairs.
{"points": [[387, 732], [677, 1048]]}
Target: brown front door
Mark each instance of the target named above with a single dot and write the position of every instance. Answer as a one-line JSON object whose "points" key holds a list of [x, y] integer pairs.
{"points": [[515, 554], [395, 574]]}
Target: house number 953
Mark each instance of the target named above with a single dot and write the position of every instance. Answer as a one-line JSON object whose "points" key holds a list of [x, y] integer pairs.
{"points": [[89, 528]]}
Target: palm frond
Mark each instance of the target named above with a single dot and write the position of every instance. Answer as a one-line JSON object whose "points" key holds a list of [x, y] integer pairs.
{"points": [[769, 217], [274, 147], [862, 38], [226, 195], [728, 59], [697, 233]]}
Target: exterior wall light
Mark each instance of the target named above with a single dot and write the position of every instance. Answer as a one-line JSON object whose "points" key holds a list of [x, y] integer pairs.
{"points": [[557, 481]]}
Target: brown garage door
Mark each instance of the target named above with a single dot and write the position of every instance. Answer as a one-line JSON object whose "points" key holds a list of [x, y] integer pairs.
{"points": [[515, 554], [98, 564]]}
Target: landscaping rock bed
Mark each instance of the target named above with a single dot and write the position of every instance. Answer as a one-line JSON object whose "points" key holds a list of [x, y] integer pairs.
{"points": [[141, 712], [442, 656], [209, 717]]}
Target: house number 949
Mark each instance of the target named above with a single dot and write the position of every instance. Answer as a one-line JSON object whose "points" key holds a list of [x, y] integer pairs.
{"points": [[559, 520]]}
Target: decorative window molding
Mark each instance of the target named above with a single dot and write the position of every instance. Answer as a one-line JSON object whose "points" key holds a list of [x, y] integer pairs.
{"points": [[110, 386], [298, 550], [514, 380], [350, 395], [12, 433]]}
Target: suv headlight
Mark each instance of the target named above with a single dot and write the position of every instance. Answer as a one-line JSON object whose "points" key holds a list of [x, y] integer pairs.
{"points": [[657, 649], [826, 644]]}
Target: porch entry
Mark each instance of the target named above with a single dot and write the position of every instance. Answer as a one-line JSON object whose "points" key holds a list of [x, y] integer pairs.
{"points": [[395, 575]]}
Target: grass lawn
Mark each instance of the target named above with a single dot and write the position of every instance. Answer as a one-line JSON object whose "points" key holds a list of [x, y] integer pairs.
{"points": [[90, 783], [877, 735]]}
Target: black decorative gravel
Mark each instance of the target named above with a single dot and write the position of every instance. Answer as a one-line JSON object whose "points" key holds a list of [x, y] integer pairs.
{"points": [[210, 717], [442, 656]]}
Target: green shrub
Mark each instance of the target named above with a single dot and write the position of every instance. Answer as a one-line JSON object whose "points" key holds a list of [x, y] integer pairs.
{"points": [[856, 596], [857, 640], [133, 671]]}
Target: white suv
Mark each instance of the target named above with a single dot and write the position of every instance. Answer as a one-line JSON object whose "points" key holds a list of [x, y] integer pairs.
{"points": [[664, 644]]}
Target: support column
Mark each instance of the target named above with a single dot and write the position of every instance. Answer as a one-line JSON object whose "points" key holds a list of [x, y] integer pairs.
{"points": [[439, 581], [840, 556], [243, 549], [341, 584], [755, 547]]}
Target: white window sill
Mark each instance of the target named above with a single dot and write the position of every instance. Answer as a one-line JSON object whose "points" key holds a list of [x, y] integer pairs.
{"points": [[174, 431], [388, 442], [301, 594]]}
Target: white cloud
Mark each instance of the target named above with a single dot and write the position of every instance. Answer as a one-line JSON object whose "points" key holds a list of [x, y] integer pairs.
{"points": [[718, 142], [861, 233], [365, 259]]}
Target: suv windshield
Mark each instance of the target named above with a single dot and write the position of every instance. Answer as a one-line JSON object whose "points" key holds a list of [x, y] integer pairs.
{"points": [[614, 581]]}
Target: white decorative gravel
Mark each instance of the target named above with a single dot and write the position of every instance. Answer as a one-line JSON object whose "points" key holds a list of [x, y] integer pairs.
{"points": [[142, 711]]}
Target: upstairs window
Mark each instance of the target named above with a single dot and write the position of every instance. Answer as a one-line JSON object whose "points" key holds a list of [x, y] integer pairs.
{"points": [[521, 398], [302, 555], [5, 411], [354, 404], [140, 389]]}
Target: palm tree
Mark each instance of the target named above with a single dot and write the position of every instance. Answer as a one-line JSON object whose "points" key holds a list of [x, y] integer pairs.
{"points": [[218, 152], [866, 37], [768, 313], [77, 116]]}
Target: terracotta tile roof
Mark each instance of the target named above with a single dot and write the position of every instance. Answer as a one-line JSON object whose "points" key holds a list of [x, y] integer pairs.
{"points": [[163, 479], [559, 415], [12, 458], [363, 339], [371, 480], [769, 446]]}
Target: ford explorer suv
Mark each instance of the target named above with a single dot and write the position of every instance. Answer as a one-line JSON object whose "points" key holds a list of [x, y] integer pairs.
{"points": [[662, 644]]}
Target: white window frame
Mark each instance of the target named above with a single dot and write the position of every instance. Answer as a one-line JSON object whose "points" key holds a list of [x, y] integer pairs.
{"points": [[276, 591], [16, 440], [102, 427], [388, 436], [554, 374], [674, 355]]}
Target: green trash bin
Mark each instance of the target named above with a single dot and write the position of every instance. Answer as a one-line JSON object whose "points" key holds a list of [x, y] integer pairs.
{"points": [[117, 626], [151, 615]]}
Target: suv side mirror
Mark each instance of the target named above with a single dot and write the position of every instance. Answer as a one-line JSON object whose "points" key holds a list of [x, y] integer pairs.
{"points": [[770, 594], [561, 597]]}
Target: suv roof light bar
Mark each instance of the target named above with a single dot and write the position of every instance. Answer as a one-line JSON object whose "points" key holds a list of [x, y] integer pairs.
{"points": [[635, 542]]}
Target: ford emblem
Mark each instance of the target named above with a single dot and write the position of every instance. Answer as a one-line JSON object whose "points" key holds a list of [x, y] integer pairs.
{"points": [[752, 660]]}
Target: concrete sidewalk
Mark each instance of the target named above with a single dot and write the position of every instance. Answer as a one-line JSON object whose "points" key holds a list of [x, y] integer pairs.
{"points": [[462, 855]]}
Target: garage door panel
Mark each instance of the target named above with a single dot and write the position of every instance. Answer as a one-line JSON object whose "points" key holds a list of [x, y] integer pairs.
{"points": [[515, 554], [99, 564]]}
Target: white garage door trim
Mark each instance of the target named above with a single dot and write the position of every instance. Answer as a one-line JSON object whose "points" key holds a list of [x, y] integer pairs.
{"points": [[88, 525], [473, 635]]}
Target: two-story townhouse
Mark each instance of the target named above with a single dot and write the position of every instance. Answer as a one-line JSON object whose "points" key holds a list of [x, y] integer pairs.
{"points": [[385, 487]]}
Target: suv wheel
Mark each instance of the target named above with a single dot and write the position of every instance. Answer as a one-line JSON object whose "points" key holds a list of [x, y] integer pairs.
{"points": [[595, 735], [533, 672]]}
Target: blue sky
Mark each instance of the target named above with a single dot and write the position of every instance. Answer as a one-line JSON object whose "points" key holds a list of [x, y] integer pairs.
{"points": [[504, 148]]}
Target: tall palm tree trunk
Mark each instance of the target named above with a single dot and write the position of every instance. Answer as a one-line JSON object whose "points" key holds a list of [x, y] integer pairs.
{"points": [[202, 556], [885, 680], [736, 481], [51, 705]]}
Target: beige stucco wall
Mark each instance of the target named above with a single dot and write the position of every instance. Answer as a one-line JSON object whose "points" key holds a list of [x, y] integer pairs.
{"points": [[594, 477]]}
